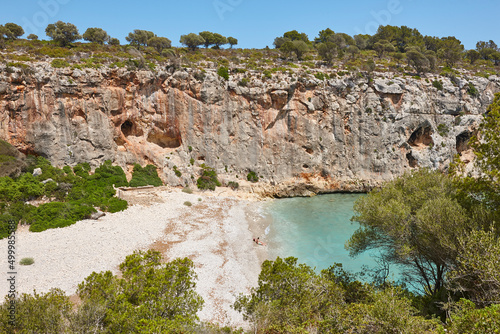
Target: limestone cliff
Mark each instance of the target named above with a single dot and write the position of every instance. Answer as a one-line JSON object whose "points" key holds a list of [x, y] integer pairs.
{"points": [[298, 133]]}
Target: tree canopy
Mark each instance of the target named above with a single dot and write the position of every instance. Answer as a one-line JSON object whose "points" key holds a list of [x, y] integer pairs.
{"points": [[232, 41], [11, 31], [192, 40], [140, 37], [159, 43], [415, 221], [63, 33], [96, 35]]}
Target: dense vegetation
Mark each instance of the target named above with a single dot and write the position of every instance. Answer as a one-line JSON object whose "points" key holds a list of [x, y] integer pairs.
{"points": [[145, 176], [402, 50], [66, 195], [149, 297], [71, 194]]}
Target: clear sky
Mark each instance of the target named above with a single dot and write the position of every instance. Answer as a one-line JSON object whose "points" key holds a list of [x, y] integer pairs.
{"points": [[255, 23]]}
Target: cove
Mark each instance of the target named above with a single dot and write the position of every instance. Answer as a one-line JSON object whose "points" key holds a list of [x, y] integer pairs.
{"points": [[314, 230]]}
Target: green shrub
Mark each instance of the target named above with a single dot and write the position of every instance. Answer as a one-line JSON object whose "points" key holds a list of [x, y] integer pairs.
{"points": [[187, 203], [67, 170], [223, 72], [472, 90], [321, 76], [48, 171], [437, 84], [187, 190], [7, 225], [59, 63], [443, 130], [191, 161], [208, 179], [58, 214], [114, 204], [244, 82], [177, 172], [252, 177], [145, 176], [233, 185], [27, 261], [24, 188], [82, 169]]}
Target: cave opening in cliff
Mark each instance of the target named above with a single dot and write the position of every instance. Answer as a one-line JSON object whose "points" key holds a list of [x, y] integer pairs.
{"points": [[164, 139], [421, 136], [462, 142], [127, 128], [411, 160]]}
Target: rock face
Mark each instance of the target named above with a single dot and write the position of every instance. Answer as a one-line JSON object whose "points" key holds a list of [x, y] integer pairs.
{"points": [[299, 134]]}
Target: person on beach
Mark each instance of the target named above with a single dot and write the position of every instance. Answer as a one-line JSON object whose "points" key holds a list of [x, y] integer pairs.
{"points": [[259, 242]]}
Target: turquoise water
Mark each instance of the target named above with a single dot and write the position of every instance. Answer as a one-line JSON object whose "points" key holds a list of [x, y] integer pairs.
{"points": [[314, 230]]}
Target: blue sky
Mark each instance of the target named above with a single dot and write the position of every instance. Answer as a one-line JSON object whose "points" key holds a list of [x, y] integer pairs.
{"points": [[255, 23]]}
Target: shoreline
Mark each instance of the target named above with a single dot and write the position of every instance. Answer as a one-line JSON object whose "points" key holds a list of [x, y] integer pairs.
{"points": [[216, 233]]}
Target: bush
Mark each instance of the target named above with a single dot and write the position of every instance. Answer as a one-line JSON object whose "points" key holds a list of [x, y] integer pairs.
{"points": [[243, 82], [67, 170], [437, 84], [58, 214], [321, 76], [187, 190], [472, 90], [187, 203], [59, 63], [443, 130], [149, 296], [27, 261], [24, 188], [208, 179], [114, 204], [252, 177], [177, 172], [233, 185], [223, 72], [7, 225], [145, 176], [44, 313]]}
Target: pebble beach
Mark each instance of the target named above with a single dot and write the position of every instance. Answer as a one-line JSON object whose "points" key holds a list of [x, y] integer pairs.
{"points": [[215, 232]]}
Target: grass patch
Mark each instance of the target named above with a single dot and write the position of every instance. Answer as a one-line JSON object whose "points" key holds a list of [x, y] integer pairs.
{"points": [[59, 63], [26, 261]]}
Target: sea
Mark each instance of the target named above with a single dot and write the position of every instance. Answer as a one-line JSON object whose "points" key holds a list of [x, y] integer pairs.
{"points": [[315, 230]]}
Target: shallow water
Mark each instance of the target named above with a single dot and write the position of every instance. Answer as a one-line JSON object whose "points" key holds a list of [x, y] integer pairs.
{"points": [[314, 230]]}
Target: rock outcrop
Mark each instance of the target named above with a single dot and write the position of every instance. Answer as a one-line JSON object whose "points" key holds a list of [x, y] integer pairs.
{"points": [[299, 134]]}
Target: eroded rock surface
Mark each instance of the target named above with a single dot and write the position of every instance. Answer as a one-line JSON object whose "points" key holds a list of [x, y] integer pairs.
{"points": [[299, 134]]}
